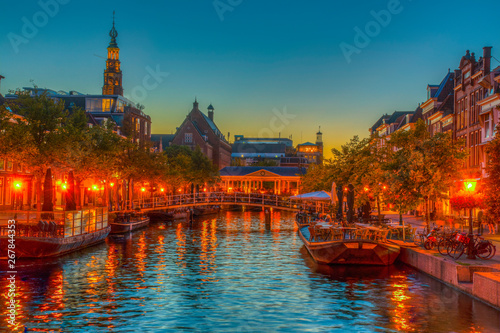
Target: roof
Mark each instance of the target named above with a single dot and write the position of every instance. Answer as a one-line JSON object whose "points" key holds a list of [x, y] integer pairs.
{"points": [[379, 122], [447, 106], [270, 148], [164, 138], [281, 171], [307, 144], [214, 127]]}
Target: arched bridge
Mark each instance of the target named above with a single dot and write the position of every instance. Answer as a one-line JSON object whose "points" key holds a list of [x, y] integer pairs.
{"points": [[221, 198]]}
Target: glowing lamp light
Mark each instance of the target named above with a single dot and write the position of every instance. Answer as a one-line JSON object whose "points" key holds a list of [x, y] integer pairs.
{"points": [[143, 189], [64, 187], [180, 190], [88, 189], [163, 190], [384, 187], [102, 188], [111, 184], [18, 185], [470, 185], [94, 188], [345, 189], [205, 189], [366, 189]]}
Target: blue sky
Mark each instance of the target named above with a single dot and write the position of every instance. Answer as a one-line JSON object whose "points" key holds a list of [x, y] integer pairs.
{"points": [[253, 61]]}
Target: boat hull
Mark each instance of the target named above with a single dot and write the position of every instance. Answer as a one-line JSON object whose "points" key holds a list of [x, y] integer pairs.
{"points": [[351, 252], [121, 228], [39, 247]]}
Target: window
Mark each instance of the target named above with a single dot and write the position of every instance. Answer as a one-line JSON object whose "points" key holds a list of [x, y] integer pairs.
{"points": [[2, 165], [10, 165], [467, 75], [98, 104], [1, 190], [487, 124], [188, 137]]}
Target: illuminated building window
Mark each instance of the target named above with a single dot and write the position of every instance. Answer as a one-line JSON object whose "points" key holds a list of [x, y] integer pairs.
{"points": [[10, 165], [99, 104]]}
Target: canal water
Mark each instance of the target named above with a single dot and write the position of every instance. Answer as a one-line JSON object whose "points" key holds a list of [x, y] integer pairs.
{"points": [[235, 272]]}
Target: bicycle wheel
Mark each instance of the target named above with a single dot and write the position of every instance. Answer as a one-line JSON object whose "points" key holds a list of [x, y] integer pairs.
{"points": [[442, 247], [457, 250], [486, 253], [428, 245]]}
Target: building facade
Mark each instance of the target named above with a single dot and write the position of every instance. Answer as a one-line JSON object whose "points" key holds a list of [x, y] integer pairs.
{"points": [[312, 152], [271, 180], [200, 130], [468, 93], [437, 110]]}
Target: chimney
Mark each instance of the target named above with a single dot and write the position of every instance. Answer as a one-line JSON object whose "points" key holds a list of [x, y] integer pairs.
{"points": [[486, 60], [1, 77], [211, 112]]}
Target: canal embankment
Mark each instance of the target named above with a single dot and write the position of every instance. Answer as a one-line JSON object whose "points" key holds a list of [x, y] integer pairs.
{"points": [[477, 278]]}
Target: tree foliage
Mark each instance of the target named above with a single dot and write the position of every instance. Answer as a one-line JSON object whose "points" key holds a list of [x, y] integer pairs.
{"points": [[491, 183]]}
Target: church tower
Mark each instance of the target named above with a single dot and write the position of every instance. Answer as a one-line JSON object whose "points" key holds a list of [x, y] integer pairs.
{"points": [[113, 73]]}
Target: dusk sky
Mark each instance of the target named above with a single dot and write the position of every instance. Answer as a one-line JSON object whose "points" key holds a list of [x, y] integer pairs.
{"points": [[250, 57]]}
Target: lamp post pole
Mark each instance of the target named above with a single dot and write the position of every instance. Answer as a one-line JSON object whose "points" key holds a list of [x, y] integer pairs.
{"points": [[470, 185]]}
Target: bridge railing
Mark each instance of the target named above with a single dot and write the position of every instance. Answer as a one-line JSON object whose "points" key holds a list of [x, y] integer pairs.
{"points": [[212, 198]]}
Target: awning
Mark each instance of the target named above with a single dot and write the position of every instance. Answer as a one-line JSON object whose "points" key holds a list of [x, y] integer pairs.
{"points": [[313, 196]]}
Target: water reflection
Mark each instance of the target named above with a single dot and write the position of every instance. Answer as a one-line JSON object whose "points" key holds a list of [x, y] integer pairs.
{"points": [[242, 271]]}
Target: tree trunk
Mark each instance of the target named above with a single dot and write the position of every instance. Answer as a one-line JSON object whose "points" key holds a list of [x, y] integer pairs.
{"points": [[48, 204], [39, 193], [378, 209], [78, 194], [70, 192]]}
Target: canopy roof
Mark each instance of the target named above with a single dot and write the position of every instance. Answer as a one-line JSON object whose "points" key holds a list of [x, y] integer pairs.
{"points": [[314, 196]]}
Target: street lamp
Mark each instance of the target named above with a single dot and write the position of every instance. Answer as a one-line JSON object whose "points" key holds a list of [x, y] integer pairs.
{"points": [[470, 186]]}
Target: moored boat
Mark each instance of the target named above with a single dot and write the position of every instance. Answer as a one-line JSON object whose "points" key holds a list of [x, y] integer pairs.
{"points": [[59, 233], [124, 224], [350, 246]]}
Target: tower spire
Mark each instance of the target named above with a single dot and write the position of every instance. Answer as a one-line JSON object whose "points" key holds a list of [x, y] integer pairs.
{"points": [[113, 34], [113, 73]]}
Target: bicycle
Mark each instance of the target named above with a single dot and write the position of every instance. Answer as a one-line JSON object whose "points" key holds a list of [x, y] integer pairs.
{"points": [[482, 248], [445, 241], [432, 238]]}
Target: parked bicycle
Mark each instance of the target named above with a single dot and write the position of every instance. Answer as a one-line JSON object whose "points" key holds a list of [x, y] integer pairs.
{"points": [[482, 248], [445, 241], [432, 238]]}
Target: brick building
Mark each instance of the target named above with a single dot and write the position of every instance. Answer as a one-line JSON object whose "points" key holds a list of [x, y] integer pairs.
{"points": [[468, 92], [200, 130]]}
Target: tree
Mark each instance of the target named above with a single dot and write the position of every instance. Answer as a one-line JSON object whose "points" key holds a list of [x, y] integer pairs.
{"points": [[492, 199], [36, 138], [420, 167], [318, 178]]}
